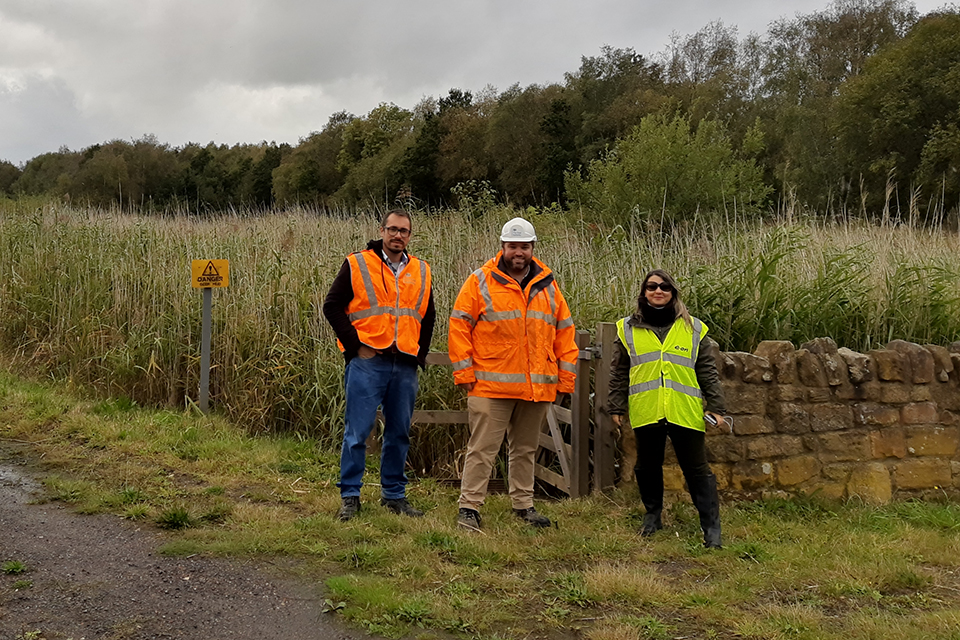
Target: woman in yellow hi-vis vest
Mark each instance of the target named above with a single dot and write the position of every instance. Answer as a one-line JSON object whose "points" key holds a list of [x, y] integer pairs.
{"points": [[661, 376]]}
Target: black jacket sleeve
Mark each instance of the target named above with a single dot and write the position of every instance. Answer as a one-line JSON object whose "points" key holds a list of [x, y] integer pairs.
{"points": [[335, 311], [426, 331], [619, 380], [708, 378]]}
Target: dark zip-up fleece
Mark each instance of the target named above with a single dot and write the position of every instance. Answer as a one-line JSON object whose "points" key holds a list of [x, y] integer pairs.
{"points": [[706, 368], [340, 295]]}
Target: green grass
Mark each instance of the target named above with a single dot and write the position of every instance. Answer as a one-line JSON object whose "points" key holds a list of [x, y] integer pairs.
{"points": [[791, 568], [13, 567]]}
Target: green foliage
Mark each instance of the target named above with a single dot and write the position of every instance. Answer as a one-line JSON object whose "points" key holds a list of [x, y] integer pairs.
{"points": [[175, 518], [13, 567], [898, 121], [9, 174], [665, 170]]}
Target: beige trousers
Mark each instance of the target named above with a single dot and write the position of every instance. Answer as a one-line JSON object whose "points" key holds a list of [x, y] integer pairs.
{"points": [[490, 419]]}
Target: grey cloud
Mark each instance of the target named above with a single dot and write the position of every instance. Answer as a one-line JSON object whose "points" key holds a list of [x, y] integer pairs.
{"points": [[40, 116]]}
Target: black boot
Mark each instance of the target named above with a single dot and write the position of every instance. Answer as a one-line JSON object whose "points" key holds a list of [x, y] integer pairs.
{"points": [[650, 484], [703, 492]]}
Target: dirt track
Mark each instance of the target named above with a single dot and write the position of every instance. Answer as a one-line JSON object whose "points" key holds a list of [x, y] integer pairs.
{"points": [[99, 577]]}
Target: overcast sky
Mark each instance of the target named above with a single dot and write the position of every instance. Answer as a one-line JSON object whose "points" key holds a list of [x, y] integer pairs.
{"points": [[79, 72]]}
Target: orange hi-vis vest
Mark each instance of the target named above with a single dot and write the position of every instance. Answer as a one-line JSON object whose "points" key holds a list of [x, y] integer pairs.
{"points": [[512, 342], [388, 308]]}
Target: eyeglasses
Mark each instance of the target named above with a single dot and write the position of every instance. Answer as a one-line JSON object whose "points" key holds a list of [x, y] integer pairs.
{"points": [[663, 286], [397, 231]]}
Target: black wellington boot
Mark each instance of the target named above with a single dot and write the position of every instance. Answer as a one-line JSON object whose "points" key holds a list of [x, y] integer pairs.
{"points": [[651, 494], [703, 492]]}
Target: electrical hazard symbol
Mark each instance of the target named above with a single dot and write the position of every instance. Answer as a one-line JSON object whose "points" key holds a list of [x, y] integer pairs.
{"points": [[206, 274]]}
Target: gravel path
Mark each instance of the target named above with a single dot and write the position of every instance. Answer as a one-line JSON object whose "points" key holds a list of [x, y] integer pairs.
{"points": [[100, 577]]}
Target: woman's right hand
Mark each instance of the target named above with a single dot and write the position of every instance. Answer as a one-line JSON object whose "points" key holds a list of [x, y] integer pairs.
{"points": [[617, 419]]}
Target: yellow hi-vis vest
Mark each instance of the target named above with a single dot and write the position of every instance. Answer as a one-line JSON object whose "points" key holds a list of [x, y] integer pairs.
{"points": [[663, 380]]}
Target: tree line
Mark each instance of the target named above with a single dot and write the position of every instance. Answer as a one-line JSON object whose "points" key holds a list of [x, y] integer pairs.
{"points": [[855, 108]]}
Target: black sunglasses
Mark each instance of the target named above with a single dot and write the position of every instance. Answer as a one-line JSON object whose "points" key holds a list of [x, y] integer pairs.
{"points": [[663, 286]]}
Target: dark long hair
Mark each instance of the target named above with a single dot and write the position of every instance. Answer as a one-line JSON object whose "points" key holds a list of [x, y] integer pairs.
{"points": [[675, 303]]}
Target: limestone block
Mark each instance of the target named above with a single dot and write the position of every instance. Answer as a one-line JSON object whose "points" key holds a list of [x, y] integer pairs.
{"points": [[752, 425], [949, 419], [949, 397], [830, 417], [756, 370], [788, 393], [921, 393], [954, 348], [774, 447], [838, 472], [837, 446], [792, 418], [871, 483], [942, 364], [889, 442], [748, 476], [921, 360], [819, 394], [859, 367], [722, 472], [796, 470], [831, 491], [932, 440], [890, 364], [820, 346], [919, 413], [730, 367], [782, 357], [871, 391], [896, 392], [725, 448], [846, 391], [835, 368], [872, 414], [673, 478], [810, 369], [922, 473], [748, 399]]}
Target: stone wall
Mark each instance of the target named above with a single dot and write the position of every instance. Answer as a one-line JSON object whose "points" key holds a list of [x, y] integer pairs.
{"points": [[878, 425]]}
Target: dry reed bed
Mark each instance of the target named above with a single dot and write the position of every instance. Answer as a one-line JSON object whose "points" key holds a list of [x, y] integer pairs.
{"points": [[103, 298]]}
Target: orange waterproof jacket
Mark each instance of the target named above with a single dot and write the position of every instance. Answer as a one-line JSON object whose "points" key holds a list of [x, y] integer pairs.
{"points": [[388, 308], [513, 342]]}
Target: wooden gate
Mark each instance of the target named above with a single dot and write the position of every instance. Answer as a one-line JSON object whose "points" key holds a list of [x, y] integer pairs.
{"points": [[564, 460]]}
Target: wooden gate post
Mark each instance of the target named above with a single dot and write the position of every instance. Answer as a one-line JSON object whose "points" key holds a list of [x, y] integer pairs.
{"points": [[604, 446], [580, 427]]}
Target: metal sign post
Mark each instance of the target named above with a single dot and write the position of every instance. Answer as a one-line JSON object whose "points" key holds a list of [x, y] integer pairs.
{"points": [[207, 275]]}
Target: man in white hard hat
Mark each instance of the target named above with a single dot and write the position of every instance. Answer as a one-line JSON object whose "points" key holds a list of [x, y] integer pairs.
{"points": [[512, 346]]}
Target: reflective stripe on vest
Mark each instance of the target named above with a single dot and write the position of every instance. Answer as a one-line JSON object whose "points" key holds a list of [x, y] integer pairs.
{"points": [[663, 379]]}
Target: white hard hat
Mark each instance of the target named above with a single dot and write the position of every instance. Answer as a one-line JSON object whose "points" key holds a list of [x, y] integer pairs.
{"points": [[518, 230]]}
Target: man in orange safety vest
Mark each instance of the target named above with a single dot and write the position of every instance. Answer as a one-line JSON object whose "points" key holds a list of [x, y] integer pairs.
{"points": [[380, 305]]}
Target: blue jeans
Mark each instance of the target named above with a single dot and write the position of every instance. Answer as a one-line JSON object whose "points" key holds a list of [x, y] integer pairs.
{"points": [[381, 380]]}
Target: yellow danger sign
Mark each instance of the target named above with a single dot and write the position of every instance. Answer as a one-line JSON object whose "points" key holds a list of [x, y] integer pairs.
{"points": [[207, 274]]}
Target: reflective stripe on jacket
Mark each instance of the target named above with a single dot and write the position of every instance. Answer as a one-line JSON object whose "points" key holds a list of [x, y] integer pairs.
{"points": [[388, 308], [663, 380], [514, 343]]}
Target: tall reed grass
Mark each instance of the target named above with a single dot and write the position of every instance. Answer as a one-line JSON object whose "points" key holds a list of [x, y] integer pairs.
{"points": [[104, 298]]}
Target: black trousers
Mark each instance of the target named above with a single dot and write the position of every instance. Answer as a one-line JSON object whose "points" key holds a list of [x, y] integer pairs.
{"points": [[691, 450]]}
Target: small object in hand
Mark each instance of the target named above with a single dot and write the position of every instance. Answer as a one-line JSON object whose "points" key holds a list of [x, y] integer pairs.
{"points": [[710, 420]]}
